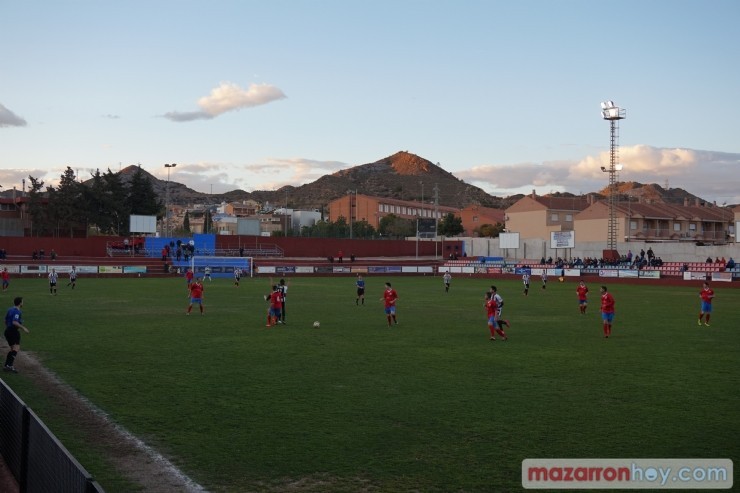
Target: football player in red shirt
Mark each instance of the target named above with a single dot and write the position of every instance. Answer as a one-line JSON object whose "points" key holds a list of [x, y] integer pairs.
{"points": [[706, 295], [389, 297], [582, 292], [276, 304], [196, 296], [189, 277], [493, 324], [607, 311]]}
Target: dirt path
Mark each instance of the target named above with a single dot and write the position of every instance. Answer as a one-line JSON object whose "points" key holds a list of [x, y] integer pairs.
{"points": [[134, 459]]}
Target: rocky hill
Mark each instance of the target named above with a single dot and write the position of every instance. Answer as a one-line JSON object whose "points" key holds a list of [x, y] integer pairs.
{"points": [[403, 176]]}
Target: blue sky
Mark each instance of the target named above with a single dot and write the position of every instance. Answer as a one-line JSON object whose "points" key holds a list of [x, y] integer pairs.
{"points": [[257, 95]]}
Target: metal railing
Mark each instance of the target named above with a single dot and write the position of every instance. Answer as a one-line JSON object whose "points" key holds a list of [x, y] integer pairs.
{"points": [[35, 457], [669, 234]]}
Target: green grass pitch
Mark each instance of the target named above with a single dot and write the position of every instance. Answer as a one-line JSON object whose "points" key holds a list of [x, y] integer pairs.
{"points": [[428, 405]]}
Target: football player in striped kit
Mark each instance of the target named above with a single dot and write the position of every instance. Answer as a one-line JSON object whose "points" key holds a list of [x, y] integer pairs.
{"points": [[53, 277]]}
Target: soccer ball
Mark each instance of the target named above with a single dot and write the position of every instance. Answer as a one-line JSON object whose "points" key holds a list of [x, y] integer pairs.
{"points": [[561, 279], [316, 324]]}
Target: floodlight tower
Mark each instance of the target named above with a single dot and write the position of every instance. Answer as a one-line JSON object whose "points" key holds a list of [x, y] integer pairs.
{"points": [[613, 113]]}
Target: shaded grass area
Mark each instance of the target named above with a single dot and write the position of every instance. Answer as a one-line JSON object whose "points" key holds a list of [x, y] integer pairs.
{"points": [[431, 404]]}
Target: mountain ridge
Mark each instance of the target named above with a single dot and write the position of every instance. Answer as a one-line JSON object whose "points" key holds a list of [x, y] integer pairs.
{"points": [[402, 176]]}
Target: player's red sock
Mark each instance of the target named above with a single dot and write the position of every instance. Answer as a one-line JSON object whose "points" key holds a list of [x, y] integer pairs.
{"points": [[501, 333], [707, 319], [606, 330]]}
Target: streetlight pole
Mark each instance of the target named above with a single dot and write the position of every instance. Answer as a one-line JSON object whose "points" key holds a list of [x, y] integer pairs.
{"points": [[350, 210], [436, 219], [167, 200]]}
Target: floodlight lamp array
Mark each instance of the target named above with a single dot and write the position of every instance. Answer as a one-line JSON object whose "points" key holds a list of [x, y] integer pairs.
{"points": [[610, 111]]}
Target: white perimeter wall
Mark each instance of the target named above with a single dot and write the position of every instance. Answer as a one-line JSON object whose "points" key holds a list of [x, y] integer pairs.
{"points": [[538, 248]]}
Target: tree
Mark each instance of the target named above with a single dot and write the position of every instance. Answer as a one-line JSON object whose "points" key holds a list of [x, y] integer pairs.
{"points": [[116, 201], [363, 229], [36, 208], [96, 203], [319, 230], [142, 199], [398, 227], [67, 205], [490, 230], [450, 225], [339, 228]]}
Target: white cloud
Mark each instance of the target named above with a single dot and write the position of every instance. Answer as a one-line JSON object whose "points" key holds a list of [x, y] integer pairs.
{"points": [[10, 119], [10, 178], [710, 175], [177, 116], [228, 97]]}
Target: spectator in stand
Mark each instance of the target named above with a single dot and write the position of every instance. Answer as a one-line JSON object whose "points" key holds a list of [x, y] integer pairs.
{"points": [[650, 254], [53, 254], [709, 260], [730, 263], [685, 267], [41, 253], [723, 261], [164, 254], [340, 257], [35, 255], [629, 256], [716, 260]]}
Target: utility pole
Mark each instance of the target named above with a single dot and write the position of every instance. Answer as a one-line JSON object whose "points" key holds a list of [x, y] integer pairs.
{"points": [[436, 218]]}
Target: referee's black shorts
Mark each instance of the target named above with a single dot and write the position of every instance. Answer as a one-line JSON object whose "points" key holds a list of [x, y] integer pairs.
{"points": [[13, 336]]}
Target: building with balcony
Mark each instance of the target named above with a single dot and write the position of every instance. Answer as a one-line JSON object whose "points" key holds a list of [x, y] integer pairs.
{"points": [[638, 221], [245, 208]]}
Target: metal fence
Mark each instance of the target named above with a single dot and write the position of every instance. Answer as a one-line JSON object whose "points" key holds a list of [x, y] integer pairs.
{"points": [[37, 460]]}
